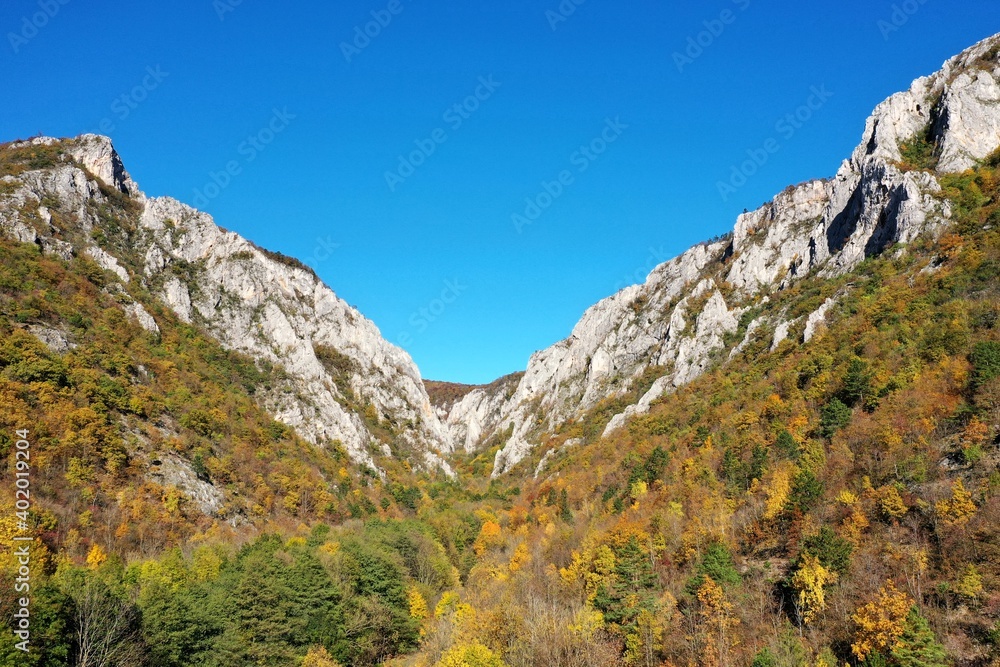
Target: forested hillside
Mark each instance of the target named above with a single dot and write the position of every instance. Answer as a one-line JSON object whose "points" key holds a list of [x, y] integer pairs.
{"points": [[823, 491], [817, 504]]}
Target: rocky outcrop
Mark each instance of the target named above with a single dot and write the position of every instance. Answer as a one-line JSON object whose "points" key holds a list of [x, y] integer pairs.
{"points": [[694, 311], [339, 374], [679, 321]]}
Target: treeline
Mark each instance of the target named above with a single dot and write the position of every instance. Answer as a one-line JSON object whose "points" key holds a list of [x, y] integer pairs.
{"points": [[353, 595]]}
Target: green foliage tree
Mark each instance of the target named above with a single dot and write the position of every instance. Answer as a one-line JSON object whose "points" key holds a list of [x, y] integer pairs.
{"points": [[806, 491], [856, 383], [717, 564], [630, 589], [832, 551], [565, 513], [52, 632], [786, 446], [919, 647], [177, 625], [764, 658], [833, 417], [985, 360]]}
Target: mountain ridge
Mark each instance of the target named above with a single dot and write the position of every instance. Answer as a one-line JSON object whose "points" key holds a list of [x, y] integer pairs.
{"points": [[658, 335], [874, 201], [346, 379]]}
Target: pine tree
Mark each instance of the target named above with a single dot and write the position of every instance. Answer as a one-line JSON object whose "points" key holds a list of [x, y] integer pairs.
{"points": [[261, 616], [857, 383], [918, 647], [833, 417], [564, 511]]}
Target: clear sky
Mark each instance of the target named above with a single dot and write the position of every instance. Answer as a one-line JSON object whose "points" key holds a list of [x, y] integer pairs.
{"points": [[314, 119]]}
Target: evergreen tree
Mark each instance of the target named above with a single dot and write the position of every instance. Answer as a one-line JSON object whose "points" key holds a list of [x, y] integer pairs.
{"points": [[631, 588], [262, 622], [786, 446], [857, 383], [806, 490], [176, 626], [717, 564], [564, 511], [985, 359], [764, 658], [918, 647], [833, 417], [316, 599], [832, 551]]}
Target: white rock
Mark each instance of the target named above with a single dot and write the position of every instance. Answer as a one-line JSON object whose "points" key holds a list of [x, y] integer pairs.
{"points": [[781, 333], [142, 316], [107, 262], [817, 319], [56, 340], [820, 227], [275, 311], [173, 471]]}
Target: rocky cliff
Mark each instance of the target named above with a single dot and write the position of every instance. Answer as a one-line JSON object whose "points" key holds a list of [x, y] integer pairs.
{"points": [[714, 296], [338, 380]]}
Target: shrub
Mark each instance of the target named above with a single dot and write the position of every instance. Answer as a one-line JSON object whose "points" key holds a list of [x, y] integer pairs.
{"points": [[985, 360]]}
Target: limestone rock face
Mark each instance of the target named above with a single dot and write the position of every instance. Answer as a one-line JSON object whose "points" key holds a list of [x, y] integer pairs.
{"points": [[674, 326], [270, 307]]}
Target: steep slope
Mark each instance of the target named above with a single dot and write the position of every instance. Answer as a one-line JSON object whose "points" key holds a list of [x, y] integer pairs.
{"points": [[342, 383], [698, 308]]}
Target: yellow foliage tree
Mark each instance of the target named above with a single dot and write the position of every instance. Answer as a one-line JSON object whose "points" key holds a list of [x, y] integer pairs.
{"points": [[890, 503], [470, 655], [490, 535], [881, 622], [716, 619], [970, 584], [975, 433], [207, 564], [96, 557], [959, 509], [520, 558], [778, 490], [319, 657], [810, 581], [854, 526], [447, 604], [643, 645], [587, 623], [8, 528], [418, 605]]}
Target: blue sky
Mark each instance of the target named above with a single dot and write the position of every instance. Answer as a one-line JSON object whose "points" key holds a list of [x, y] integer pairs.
{"points": [[587, 113]]}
